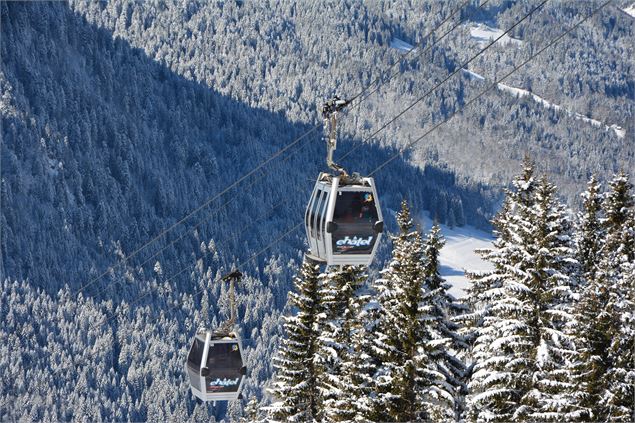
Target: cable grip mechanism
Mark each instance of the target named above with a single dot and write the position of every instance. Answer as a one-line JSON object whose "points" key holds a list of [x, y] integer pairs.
{"points": [[330, 109]]}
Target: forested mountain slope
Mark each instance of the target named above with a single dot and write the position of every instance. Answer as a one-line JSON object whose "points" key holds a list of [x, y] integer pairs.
{"points": [[284, 55], [119, 118], [104, 148]]}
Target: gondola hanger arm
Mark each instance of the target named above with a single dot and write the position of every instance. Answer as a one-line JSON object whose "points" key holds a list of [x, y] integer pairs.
{"points": [[330, 109], [234, 276]]}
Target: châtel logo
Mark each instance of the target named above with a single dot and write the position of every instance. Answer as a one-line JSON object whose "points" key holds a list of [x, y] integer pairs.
{"points": [[224, 382], [354, 242]]}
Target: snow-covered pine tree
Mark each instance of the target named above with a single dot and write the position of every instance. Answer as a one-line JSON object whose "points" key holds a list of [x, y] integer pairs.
{"points": [[410, 386], [619, 247], [620, 396], [553, 282], [592, 332], [521, 347], [616, 273], [389, 326], [336, 357], [357, 402], [360, 372], [483, 288], [251, 412], [444, 328], [590, 233], [493, 387], [295, 385], [603, 370]]}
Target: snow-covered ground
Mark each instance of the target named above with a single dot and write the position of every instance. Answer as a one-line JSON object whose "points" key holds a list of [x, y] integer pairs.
{"points": [[484, 34], [401, 45], [630, 10], [519, 92], [619, 131], [458, 254], [473, 75]]}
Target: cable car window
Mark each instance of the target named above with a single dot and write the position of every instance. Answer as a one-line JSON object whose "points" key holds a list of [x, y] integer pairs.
{"points": [[224, 364], [355, 207], [320, 213], [196, 354], [306, 216], [314, 209], [355, 214]]}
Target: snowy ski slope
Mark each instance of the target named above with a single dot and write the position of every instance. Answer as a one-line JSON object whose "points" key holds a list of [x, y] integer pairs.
{"points": [[401, 45], [458, 254], [519, 92], [484, 34]]}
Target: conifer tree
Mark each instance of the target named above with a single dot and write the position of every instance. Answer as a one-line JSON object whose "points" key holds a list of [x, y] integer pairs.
{"points": [[295, 384], [590, 233], [494, 387], [443, 327], [522, 347], [410, 385], [250, 412], [554, 283], [358, 396], [592, 332], [603, 369], [616, 274], [619, 248], [620, 395], [335, 357]]}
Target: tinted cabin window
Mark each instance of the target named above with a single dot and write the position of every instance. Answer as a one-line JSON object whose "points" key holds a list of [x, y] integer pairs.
{"points": [[224, 364], [314, 209], [196, 354], [355, 207], [320, 213], [355, 215]]}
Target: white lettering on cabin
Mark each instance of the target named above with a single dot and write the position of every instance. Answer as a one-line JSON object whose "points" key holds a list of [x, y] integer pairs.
{"points": [[355, 241], [224, 382]]}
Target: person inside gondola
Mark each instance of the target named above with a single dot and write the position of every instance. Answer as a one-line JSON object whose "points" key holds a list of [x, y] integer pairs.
{"points": [[366, 207], [225, 357], [224, 364]]}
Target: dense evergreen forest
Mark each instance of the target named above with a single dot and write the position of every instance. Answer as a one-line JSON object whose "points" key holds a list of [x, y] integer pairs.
{"points": [[288, 56], [104, 148], [547, 335], [120, 118]]}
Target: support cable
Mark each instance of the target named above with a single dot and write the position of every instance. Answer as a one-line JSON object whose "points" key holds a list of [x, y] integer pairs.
{"points": [[380, 167]]}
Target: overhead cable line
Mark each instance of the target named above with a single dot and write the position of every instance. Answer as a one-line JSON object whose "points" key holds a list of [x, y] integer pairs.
{"points": [[199, 208], [208, 215], [376, 81], [436, 41], [489, 88], [233, 185], [409, 145], [430, 91], [408, 108], [414, 48], [115, 314]]}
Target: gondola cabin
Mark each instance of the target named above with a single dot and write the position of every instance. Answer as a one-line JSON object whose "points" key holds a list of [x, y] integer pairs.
{"points": [[343, 221], [215, 366]]}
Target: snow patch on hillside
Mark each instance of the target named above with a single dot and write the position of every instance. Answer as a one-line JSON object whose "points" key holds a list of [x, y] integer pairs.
{"points": [[473, 75], [458, 254], [630, 10], [484, 34], [619, 131], [519, 92], [401, 45]]}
